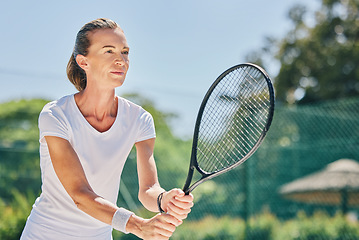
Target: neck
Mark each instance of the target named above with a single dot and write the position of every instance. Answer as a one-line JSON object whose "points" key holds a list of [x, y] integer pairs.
{"points": [[97, 104]]}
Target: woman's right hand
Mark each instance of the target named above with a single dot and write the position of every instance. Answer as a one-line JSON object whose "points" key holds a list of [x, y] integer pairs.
{"points": [[159, 227]]}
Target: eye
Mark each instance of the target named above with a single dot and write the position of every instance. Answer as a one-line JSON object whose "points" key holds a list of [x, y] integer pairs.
{"points": [[109, 51], [126, 52]]}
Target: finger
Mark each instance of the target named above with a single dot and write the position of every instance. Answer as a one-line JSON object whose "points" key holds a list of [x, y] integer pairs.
{"points": [[169, 196], [179, 216], [182, 204], [176, 192], [155, 229], [184, 198], [178, 212], [170, 219], [165, 230], [163, 226]]}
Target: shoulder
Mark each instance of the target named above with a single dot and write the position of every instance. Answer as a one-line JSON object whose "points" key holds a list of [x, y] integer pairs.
{"points": [[56, 109], [134, 111], [56, 105], [54, 119], [128, 103], [130, 107]]}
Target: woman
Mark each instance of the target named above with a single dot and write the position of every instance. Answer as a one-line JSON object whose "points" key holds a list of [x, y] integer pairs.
{"points": [[85, 139]]}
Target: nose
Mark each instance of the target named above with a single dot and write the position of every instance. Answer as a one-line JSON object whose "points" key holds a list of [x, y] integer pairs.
{"points": [[119, 61]]}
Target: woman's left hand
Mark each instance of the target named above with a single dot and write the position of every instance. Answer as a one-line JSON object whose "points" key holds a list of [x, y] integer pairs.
{"points": [[177, 204]]}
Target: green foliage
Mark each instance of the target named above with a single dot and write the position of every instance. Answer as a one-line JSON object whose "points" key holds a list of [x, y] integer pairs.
{"points": [[19, 155], [14, 215], [18, 123], [262, 227], [297, 144], [319, 226], [224, 228], [266, 226], [297, 132], [310, 228], [317, 62], [19, 163]]}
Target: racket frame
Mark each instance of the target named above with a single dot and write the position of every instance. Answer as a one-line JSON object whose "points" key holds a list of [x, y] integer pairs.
{"points": [[193, 163]]}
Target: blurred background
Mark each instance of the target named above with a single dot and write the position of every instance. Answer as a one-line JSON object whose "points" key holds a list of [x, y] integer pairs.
{"points": [[303, 182]]}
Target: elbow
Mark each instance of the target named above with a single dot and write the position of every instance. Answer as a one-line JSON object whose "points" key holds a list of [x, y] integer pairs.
{"points": [[77, 200], [82, 197]]}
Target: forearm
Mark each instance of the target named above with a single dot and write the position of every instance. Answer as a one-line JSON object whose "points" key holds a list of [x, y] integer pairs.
{"points": [[149, 187], [148, 197], [95, 206], [105, 211]]}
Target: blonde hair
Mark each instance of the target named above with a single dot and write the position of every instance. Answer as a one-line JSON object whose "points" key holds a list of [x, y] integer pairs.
{"points": [[75, 73]]}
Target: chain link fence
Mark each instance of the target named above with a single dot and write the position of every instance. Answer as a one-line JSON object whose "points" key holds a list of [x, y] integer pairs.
{"points": [[244, 203], [302, 140]]}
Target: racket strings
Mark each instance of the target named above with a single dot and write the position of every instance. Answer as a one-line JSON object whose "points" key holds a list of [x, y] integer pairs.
{"points": [[233, 119]]}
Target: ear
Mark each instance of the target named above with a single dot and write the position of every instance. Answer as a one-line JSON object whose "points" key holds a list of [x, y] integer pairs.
{"points": [[82, 61]]}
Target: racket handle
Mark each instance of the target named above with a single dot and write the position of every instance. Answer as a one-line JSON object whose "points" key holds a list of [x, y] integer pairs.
{"points": [[186, 188], [186, 191]]}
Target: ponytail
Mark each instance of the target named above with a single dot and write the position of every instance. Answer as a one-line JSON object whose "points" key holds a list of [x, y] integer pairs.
{"points": [[75, 73]]}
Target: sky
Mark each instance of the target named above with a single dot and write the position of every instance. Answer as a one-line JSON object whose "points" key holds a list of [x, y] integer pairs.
{"points": [[178, 48]]}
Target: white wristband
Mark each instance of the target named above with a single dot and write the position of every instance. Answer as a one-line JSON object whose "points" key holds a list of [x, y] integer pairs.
{"points": [[120, 219]]}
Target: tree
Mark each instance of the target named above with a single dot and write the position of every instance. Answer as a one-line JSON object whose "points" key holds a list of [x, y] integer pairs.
{"points": [[19, 154], [317, 61]]}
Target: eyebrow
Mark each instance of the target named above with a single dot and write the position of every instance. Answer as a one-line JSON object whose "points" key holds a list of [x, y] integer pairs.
{"points": [[110, 46]]}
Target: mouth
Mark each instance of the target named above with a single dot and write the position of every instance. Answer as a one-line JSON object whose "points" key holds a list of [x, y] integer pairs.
{"points": [[119, 73]]}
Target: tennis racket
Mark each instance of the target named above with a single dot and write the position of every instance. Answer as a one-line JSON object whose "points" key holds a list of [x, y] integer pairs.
{"points": [[232, 121]]}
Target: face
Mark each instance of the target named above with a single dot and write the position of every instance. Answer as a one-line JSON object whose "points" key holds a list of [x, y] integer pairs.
{"points": [[107, 61]]}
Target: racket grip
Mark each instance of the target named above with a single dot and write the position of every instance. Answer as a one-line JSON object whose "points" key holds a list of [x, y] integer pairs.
{"points": [[186, 191]]}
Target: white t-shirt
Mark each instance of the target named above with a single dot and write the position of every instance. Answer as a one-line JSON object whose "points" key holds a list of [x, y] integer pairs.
{"points": [[102, 156]]}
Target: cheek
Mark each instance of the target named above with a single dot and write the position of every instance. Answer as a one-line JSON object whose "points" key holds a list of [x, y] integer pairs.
{"points": [[127, 60], [127, 63]]}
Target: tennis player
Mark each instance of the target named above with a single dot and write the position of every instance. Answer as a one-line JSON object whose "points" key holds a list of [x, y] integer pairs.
{"points": [[85, 139]]}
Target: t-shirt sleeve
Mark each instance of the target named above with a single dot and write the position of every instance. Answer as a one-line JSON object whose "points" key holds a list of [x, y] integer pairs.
{"points": [[146, 127], [52, 123]]}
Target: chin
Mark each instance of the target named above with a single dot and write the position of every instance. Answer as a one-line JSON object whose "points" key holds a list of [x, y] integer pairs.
{"points": [[119, 84]]}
